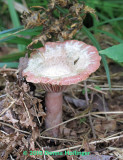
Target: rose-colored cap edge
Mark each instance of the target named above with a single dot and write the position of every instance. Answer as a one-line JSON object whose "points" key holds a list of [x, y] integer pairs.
{"points": [[67, 80]]}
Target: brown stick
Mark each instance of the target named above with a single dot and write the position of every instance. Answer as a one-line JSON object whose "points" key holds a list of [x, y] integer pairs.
{"points": [[90, 118]]}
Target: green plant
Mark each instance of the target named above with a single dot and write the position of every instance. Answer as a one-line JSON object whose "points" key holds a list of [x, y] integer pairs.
{"points": [[115, 52]]}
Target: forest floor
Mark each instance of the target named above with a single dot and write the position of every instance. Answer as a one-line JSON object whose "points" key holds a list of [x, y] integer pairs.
{"points": [[96, 128]]}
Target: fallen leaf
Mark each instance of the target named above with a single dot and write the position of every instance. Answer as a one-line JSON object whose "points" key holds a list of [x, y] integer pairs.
{"points": [[77, 102]]}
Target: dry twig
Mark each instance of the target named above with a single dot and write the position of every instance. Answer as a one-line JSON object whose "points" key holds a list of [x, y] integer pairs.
{"points": [[87, 101]]}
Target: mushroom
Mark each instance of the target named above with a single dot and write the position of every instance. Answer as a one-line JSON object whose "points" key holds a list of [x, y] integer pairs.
{"points": [[56, 66]]}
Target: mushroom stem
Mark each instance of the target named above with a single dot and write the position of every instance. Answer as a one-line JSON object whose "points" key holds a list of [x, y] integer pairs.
{"points": [[53, 102]]}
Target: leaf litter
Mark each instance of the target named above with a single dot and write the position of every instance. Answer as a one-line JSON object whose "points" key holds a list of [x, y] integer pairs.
{"points": [[22, 117], [22, 114]]}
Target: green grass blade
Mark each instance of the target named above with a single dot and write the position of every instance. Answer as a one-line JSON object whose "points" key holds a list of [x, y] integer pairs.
{"points": [[9, 64], [92, 38], [15, 19], [25, 32], [12, 30], [108, 21], [105, 4], [16, 40], [101, 16], [64, 11], [12, 57], [14, 16], [111, 35], [6, 39], [96, 44], [20, 40]]}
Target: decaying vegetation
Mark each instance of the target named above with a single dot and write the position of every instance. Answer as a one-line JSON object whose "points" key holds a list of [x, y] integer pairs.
{"points": [[93, 112]]}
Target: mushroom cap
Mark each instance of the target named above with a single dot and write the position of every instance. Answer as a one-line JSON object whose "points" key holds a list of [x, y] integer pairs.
{"points": [[62, 63]]}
